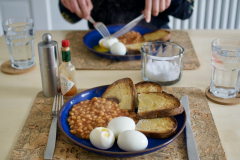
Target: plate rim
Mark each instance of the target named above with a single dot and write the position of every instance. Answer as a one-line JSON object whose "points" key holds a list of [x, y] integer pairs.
{"points": [[146, 151], [107, 54]]}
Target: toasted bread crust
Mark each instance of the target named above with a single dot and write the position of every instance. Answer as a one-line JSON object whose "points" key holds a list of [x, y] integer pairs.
{"points": [[149, 37], [172, 110], [159, 134], [117, 96], [134, 48], [144, 87]]}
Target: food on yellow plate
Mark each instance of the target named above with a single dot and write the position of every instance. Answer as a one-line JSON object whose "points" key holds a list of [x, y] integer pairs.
{"points": [[89, 114], [159, 35], [154, 104], [131, 37], [163, 127], [122, 91], [132, 140], [145, 87], [120, 124], [102, 138], [118, 48]]}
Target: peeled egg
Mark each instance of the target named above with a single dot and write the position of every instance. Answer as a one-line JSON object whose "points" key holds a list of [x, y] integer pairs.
{"points": [[102, 138], [132, 140], [107, 42], [120, 124], [118, 48]]}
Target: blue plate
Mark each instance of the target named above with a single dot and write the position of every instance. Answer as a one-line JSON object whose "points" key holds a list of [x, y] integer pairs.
{"points": [[115, 151], [92, 38]]}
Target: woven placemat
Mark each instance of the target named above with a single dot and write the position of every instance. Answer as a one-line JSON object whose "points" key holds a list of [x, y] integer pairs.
{"points": [[82, 58], [7, 68], [33, 138]]}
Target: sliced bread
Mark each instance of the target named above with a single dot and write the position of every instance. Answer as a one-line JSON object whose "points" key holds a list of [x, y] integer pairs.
{"points": [[145, 87], [163, 127], [153, 104], [159, 35], [123, 92], [134, 48]]}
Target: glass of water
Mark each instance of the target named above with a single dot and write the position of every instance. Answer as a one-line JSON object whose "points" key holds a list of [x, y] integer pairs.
{"points": [[225, 68], [19, 35]]}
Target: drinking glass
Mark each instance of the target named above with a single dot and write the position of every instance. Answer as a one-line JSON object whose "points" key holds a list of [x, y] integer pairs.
{"points": [[19, 35], [225, 67], [162, 62]]}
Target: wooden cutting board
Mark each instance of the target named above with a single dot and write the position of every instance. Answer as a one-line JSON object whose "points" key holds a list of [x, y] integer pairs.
{"points": [[82, 58], [33, 138]]}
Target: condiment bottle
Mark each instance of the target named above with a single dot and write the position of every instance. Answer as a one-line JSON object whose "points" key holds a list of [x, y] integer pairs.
{"points": [[67, 72]]}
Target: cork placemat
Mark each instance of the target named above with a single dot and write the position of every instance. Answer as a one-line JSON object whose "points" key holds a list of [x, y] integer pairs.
{"points": [[33, 138], [7, 68], [82, 58]]}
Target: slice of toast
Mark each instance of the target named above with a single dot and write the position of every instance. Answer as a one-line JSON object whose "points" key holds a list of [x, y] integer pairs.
{"points": [[163, 127], [134, 48], [159, 35], [144, 87], [123, 91], [153, 104]]}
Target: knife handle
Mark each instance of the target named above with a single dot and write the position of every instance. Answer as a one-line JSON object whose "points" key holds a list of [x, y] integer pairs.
{"points": [[191, 143], [51, 140]]}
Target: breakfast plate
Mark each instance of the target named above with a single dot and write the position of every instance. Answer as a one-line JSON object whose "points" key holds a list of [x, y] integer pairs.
{"points": [[92, 38], [153, 143]]}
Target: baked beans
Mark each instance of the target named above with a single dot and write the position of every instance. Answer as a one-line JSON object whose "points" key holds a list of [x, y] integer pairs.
{"points": [[89, 114]]}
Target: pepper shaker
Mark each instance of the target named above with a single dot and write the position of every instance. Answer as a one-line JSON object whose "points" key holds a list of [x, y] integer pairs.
{"points": [[49, 65]]}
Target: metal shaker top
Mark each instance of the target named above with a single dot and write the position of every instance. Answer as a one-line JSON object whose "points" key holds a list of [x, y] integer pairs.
{"points": [[48, 51]]}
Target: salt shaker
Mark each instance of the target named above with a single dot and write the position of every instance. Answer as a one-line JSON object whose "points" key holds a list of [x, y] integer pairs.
{"points": [[49, 64]]}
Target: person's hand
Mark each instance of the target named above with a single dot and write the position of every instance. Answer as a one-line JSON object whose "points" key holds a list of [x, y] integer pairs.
{"points": [[81, 7], [154, 7]]}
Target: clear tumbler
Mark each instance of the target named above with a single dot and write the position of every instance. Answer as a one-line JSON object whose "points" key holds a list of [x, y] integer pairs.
{"points": [[162, 62], [19, 35], [225, 67]]}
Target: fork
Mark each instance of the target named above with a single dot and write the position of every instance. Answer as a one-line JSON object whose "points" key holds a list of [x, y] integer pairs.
{"points": [[53, 129], [100, 27]]}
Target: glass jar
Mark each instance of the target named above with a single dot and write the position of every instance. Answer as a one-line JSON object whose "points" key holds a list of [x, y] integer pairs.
{"points": [[162, 62]]}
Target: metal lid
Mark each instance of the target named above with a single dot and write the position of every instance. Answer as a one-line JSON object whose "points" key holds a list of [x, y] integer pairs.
{"points": [[47, 41], [48, 51]]}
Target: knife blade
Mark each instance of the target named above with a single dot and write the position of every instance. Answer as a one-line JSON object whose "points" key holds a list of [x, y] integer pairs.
{"points": [[128, 26], [191, 143]]}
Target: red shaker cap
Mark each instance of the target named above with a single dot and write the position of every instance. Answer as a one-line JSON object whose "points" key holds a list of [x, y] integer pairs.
{"points": [[65, 43]]}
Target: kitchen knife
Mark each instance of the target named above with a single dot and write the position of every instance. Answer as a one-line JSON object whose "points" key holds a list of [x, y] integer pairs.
{"points": [[191, 143], [128, 26]]}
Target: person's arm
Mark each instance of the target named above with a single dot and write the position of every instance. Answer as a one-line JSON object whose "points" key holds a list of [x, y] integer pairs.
{"points": [[75, 10], [67, 14], [181, 9]]}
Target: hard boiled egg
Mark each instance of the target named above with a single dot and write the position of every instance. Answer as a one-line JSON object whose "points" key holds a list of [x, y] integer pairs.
{"points": [[102, 138], [118, 48], [120, 124], [107, 42], [132, 140]]}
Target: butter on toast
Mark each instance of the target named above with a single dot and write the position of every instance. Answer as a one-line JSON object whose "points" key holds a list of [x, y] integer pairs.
{"points": [[159, 35], [152, 105], [144, 87], [163, 127], [123, 91]]}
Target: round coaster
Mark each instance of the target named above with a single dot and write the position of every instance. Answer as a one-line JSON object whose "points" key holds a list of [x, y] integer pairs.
{"points": [[229, 101], [7, 68]]}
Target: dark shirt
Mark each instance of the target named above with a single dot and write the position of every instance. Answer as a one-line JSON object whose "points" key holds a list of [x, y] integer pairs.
{"points": [[123, 11]]}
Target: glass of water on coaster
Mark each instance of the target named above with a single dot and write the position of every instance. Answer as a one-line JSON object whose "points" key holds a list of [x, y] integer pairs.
{"points": [[225, 67], [162, 62], [19, 35]]}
